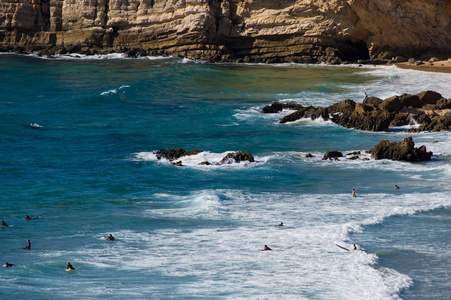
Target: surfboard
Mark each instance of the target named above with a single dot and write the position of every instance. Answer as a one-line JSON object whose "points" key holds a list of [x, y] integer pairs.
{"points": [[342, 247], [69, 270]]}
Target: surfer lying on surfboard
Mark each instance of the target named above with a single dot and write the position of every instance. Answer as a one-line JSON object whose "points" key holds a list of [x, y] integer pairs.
{"points": [[266, 248], [354, 247]]}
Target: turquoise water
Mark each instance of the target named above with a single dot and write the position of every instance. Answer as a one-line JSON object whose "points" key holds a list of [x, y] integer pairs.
{"points": [[78, 137]]}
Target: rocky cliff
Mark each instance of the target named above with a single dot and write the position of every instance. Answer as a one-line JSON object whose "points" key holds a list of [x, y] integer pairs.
{"points": [[230, 30]]}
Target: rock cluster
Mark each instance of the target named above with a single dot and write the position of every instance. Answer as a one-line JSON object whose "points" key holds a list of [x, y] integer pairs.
{"points": [[173, 154], [403, 151], [332, 31], [428, 108]]}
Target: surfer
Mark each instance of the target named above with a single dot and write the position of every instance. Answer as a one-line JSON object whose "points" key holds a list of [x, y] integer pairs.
{"points": [[7, 265], [355, 247], [365, 97], [266, 248], [27, 217], [281, 224], [110, 238], [4, 224], [69, 267], [353, 193], [396, 187], [27, 247]]}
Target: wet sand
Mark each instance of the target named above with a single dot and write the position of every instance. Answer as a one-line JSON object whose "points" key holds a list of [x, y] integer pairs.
{"points": [[443, 66]]}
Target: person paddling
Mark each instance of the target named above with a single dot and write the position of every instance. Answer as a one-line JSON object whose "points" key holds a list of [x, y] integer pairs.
{"points": [[4, 224], [266, 248], [8, 265], [69, 267], [281, 224], [110, 238]]}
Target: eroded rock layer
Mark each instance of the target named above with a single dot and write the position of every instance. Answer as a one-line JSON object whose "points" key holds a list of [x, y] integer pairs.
{"points": [[230, 30]]}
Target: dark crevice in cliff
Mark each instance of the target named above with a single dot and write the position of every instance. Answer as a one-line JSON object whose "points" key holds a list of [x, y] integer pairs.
{"points": [[107, 11]]}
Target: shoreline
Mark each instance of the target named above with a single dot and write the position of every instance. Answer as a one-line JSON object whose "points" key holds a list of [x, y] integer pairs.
{"points": [[441, 66]]}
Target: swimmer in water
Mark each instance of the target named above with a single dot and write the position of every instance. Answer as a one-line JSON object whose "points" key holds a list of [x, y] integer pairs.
{"points": [[27, 217], [267, 248], [8, 265], [396, 187], [353, 193], [27, 247], [110, 238], [4, 224], [69, 267], [281, 224]]}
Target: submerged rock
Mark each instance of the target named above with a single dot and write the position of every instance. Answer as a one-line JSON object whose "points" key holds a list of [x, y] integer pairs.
{"points": [[172, 154], [332, 155]]}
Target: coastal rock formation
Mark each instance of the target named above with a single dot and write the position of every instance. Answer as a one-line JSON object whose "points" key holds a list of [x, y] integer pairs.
{"points": [[236, 157], [172, 154], [404, 150], [330, 31], [428, 108]]}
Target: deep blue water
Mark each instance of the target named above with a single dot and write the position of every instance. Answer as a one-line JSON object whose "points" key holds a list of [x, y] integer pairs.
{"points": [[78, 138]]}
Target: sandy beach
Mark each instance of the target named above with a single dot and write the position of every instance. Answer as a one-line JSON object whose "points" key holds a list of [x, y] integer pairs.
{"points": [[443, 66]]}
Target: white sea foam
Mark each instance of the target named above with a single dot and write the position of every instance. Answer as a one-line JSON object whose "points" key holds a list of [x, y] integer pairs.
{"points": [[304, 257], [195, 160]]}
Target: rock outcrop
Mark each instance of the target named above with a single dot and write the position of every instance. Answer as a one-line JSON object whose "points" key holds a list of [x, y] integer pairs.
{"points": [[428, 108], [330, 31], [404, 150], [173, 154]]}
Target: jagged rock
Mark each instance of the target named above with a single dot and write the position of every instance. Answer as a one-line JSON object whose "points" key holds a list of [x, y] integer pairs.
{"points": [[236, 157], [177, 164], [276, 107], [392, 104], [429, 97], [332, 155], [404, 151], [172, 154]]}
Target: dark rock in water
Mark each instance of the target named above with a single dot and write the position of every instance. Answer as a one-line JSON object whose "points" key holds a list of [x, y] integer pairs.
{"points": [[354, 153], [204, 163], [404, 150], [429, 97], [237, 157], [308, 155], [374, 101], [172, 154], [332, 155], [299, 114], [177, 164], [278, 107]]}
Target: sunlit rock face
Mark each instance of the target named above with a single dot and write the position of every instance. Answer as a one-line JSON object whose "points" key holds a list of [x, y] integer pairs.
{"points": [[270, 31]]}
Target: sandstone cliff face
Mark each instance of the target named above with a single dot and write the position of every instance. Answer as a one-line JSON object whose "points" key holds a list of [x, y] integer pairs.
{"points": [[230, 30]]}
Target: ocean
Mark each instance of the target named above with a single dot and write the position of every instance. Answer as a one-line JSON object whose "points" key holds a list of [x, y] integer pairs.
{"points": [[78, 140]]}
